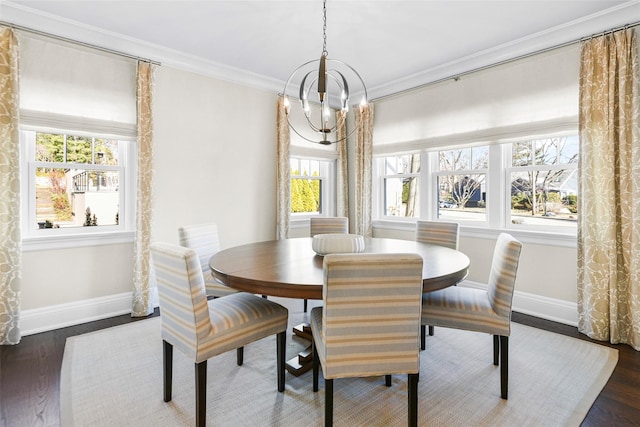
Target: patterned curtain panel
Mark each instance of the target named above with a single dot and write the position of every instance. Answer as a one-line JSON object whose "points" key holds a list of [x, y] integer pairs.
{"points": [[342, 177], [10, 251], [283, 176], [609, 222], [143, 281], [364, 161]]}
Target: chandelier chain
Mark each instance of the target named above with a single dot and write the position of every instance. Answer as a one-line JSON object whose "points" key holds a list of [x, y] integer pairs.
{"points": [[324, 29]]}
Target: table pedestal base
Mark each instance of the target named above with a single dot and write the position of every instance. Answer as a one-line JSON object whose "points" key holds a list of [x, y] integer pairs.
{"points": [[304, 360]]}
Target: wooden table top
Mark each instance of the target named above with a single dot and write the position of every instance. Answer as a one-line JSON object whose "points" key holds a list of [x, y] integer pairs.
{"points": [[290, 268]]}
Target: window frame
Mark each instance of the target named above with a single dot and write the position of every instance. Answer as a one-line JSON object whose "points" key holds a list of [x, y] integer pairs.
{"points": [[69, 237], [328, 189]]}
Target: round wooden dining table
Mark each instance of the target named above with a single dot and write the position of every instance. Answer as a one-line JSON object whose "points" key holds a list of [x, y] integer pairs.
{"points": [[290, 268]]}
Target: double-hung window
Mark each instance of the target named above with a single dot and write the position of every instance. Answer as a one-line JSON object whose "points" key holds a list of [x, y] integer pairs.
{"points": [[312, 187], [543, 184], [461, 183], [400, 185], [75, 181]]}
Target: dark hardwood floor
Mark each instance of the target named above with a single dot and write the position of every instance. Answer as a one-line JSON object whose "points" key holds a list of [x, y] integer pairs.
{"points": [[30, 377]]}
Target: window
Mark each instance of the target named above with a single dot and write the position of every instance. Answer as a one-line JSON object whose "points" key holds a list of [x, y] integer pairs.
{"points": [[400, 186], [461, 183], [543, 178], [530, 184], [76, 183], [311, 186]]}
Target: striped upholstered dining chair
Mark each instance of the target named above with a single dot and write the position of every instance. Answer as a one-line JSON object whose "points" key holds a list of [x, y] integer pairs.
{"points": [[439, 233], [203, 238], [327, 225], [202, 329], [369, 323], [478, 310]]}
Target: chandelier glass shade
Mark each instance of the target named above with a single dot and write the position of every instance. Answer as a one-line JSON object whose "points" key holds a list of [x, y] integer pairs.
{"points": [[321, 88]]}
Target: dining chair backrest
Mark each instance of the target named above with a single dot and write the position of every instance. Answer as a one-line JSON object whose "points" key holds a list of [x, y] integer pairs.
{"points": [[202, 238], [328, 225], [502, 276], [371, 314], [440, 233], [183, 300]]}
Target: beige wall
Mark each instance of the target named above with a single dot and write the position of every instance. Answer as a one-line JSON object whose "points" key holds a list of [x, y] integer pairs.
{"points": [[214, 157], [59, 276], [214, 160]]}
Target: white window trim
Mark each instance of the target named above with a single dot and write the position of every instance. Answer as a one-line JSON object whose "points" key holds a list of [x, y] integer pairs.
{"points": [[33, 240]]}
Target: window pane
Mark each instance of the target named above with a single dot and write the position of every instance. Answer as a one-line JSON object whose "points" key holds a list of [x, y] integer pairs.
{"points": [[544, 197], [396, 165], [401, 197], [569, 150], [306, 195], [452, 160], [462, 197], [76, 197], [464, 159], [480, 157], [76, 149], [521, 152]]}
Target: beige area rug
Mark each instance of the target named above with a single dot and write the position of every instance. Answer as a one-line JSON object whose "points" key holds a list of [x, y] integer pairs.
{"points": [[113, 378]]}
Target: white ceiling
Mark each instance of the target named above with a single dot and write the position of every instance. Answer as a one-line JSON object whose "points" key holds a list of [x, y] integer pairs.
{"points": [[394, 45]]}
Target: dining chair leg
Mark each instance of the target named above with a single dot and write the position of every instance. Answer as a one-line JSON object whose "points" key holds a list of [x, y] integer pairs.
{"points": [[423, 339], [240, 355], [315, 366], [328, 402], [412, 391], [167, 362], [504, 366], [431, 331], [387, 380], [201, 393], [496, 349], [305, 305], [281, 342]]}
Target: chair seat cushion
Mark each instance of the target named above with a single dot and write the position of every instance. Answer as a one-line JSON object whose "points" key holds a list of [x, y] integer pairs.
{"points": [[459, 307], [236, 320]]}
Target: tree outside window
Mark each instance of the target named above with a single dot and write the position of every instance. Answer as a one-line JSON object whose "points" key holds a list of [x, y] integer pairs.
{"points": [[544, 181]]}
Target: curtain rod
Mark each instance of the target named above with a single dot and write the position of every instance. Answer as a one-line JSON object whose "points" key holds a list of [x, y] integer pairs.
{"points": [[457, 76], [77, 42]]}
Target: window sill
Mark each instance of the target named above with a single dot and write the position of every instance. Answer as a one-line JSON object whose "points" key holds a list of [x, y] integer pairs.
{"points": [[64, 241], [525, 236]]}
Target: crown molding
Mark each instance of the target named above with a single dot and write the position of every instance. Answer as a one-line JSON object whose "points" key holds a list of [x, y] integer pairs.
{"points": [[562, 35], [566, 33]]}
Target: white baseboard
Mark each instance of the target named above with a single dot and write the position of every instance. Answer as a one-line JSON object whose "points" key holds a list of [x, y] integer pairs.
{"points": [[73, 313], [539, 306], [77, 312]]}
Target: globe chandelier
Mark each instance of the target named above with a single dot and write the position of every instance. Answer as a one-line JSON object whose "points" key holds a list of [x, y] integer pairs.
{"points": [[322, 87]]}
